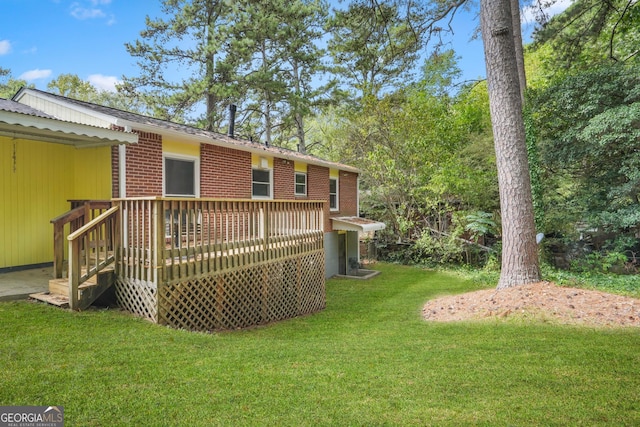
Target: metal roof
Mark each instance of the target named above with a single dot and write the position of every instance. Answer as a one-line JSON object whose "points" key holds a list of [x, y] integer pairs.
{"points": [[140, 122], [21, 121], [355, 223]]}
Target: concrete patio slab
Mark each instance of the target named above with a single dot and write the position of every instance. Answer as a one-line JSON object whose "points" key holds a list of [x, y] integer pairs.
{"points": [[17, 285]]}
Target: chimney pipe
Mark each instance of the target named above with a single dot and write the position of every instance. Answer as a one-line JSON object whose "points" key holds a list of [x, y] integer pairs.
{"points": [[232, 120]]}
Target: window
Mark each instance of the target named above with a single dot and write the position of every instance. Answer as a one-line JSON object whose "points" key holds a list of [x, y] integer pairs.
{"points": [[261, 183], [333, 194], [301, 184], [181, 176]]}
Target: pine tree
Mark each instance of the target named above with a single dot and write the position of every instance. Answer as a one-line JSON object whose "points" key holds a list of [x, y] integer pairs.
{"points": [[184, 61]]}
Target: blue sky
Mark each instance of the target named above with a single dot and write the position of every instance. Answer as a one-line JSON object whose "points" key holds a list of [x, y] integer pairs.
{"points": [[41, 39]]}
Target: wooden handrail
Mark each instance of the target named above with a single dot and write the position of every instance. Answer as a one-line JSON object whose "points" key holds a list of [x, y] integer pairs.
{"points": [[77, 217], [94, 222], [98, 238], [69, 216]]}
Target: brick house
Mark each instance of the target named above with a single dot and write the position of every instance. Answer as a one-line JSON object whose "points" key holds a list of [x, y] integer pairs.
{"points": [[184, 169]]}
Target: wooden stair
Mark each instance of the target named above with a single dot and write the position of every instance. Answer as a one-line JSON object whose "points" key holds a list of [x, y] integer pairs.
{"points": [[88, 291]]}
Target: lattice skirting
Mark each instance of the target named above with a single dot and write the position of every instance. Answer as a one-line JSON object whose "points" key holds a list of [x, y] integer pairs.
{"points": [[138, 297], [248, 296]]}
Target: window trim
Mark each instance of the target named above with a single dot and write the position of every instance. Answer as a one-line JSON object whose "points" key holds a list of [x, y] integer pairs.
{"points": [[270, 196], [196, 173], [296, 184], [337, 194]]}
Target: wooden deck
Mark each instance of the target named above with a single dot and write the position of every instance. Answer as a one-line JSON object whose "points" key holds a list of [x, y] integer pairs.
{"points": [[201, 264]]}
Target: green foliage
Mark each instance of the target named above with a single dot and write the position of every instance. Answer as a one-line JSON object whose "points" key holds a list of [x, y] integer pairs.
{"points": [[535, 170], [424, 153], [588, 133], [72, 86], [372, 48], [446, 249], [263, 56], [592, 32], [480, 224], [618, 255], [9, 86], [279, 40], [594, 279], [188, 38]]}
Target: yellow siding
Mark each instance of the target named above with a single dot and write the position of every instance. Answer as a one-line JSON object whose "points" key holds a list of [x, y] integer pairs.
{"points": [[300, 167], [92, 178], [188, 149], [256, 161], [334, 173], [36, 180]]}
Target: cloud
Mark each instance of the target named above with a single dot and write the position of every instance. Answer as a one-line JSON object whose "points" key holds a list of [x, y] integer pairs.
{"points": [[101, 82], [5, 47], [83, 13], [91, 10], [35, 75]]}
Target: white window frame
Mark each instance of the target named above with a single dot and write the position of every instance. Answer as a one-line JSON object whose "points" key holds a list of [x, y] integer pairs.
{"points": [[295, 183], [270, 171], [196, 173], [337, 193]]}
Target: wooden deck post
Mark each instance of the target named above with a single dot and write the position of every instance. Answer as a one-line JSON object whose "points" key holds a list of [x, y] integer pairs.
{"points": [[158, 243], [74, 273], [58, 250]]}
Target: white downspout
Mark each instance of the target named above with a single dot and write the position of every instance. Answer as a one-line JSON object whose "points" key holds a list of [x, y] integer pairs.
{"points": [[122, 170]]}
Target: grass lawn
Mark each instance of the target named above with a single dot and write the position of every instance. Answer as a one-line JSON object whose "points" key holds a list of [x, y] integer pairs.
{"points": [[368, 359]]}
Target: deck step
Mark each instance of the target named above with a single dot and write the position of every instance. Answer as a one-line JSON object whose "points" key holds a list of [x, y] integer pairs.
{"points": [[53, 299], [88, 291], [61, 286]]}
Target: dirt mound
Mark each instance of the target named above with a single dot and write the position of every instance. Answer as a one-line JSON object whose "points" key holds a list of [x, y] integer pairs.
{"points": [[542, 300]]}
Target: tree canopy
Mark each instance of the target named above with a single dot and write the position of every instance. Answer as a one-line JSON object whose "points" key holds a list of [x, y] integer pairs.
{"points": [[10, 85], [593, 143]]}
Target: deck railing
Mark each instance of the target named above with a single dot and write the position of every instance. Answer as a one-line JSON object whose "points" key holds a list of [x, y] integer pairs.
{"points": [[82, 212], [91, 249], [165, 240]]}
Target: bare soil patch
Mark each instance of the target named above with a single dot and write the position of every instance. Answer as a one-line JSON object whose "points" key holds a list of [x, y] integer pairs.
{"points": [[543, 300]]}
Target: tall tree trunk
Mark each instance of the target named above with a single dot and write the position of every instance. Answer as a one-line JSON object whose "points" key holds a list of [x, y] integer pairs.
{"points": [[268, 125], [299, 119], [517, 41], [211, 98], [519, 248]]}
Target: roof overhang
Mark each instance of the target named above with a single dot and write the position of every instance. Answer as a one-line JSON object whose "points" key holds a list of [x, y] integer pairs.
{"points": [[186, 133], [354, 223], [203, 137], [24, 126]]}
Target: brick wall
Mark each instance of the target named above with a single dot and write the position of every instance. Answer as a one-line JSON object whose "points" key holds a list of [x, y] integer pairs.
{"points": [[283, 179], [224, 172], [348, 194], [144, 166], [318, 189]]}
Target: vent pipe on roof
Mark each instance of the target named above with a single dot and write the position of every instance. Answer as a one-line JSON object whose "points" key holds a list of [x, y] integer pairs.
{"points": [[232, 120]]}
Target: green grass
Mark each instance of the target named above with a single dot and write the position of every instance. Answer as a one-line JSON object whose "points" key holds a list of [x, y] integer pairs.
{"points": [[368, 359]]}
